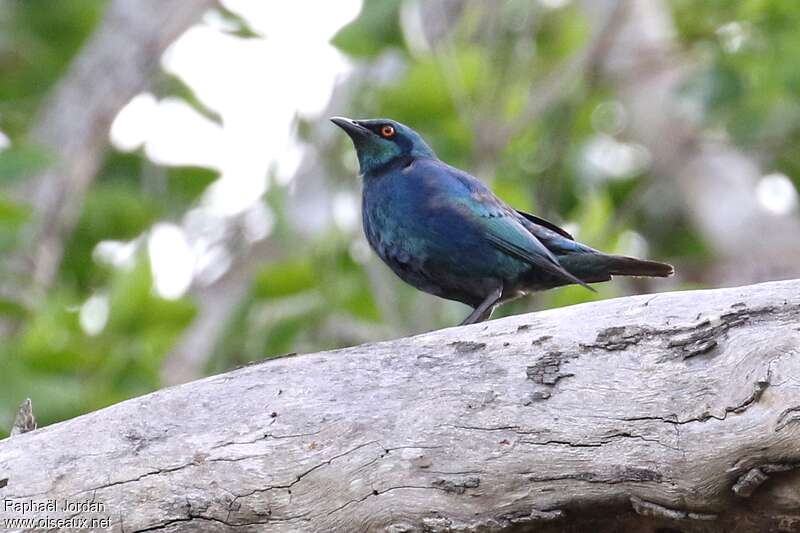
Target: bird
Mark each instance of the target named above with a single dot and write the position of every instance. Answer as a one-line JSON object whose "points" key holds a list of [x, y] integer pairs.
{"points": [[444, 232]]}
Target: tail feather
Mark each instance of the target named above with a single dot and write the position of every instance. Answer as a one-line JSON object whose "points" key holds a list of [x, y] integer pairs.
{"points": [[620, 265], [596, 267]]}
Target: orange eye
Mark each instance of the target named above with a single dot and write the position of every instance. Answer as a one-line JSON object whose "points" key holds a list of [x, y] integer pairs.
{"points": [[387, 131]]}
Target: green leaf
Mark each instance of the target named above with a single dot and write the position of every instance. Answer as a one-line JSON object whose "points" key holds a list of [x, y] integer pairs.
{"points": [[235, 24], [136, 308], [375, 29], [285, 278], [593, 218], [12, 308], [115, 210], [22, 161], [170, 85], [39, 39], [178, 188], [186, 184], [13, 214]]}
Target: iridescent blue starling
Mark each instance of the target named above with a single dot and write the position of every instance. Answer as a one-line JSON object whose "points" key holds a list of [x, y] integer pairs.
{"points": [[444, 232]]}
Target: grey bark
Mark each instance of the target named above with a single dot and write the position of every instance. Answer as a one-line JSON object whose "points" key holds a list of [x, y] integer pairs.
{"points": [[669, 412], [114, 65], [716, 180], [24, 421]]}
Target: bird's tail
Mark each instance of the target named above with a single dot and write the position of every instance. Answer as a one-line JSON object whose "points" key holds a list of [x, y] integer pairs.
{"points": [[593, 268], [620, 265]]}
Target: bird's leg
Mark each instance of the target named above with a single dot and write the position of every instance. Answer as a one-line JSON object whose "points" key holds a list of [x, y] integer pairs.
{"points": [[486, 314], [484, 310]]}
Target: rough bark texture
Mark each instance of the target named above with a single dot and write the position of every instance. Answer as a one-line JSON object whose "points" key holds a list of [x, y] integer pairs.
{"points": [[669, 412]]}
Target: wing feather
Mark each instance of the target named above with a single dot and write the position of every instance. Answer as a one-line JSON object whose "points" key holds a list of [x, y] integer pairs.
{"points": [[546, 223], [503, 227]]}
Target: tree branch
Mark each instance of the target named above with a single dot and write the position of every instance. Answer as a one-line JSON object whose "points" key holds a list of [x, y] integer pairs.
{"points": [[115, 64], [676, 411]]}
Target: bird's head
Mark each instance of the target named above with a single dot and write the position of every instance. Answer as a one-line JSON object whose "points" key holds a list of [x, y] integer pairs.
{"points": [[381, 141]]}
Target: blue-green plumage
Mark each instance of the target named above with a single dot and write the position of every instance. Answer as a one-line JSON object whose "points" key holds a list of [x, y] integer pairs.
{"points": [[444, 232]]}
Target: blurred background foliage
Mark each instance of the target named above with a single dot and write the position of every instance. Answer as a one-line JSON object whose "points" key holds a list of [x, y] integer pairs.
{"points": [[290, 271]]}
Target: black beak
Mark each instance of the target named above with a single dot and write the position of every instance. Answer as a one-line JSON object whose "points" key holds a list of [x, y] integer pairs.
{"points": [[351, 127]]}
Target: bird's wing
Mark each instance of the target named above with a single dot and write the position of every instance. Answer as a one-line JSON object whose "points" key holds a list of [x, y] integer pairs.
{"points": [[508, 235], [505, 231], [555, 239], [545, 223]]}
